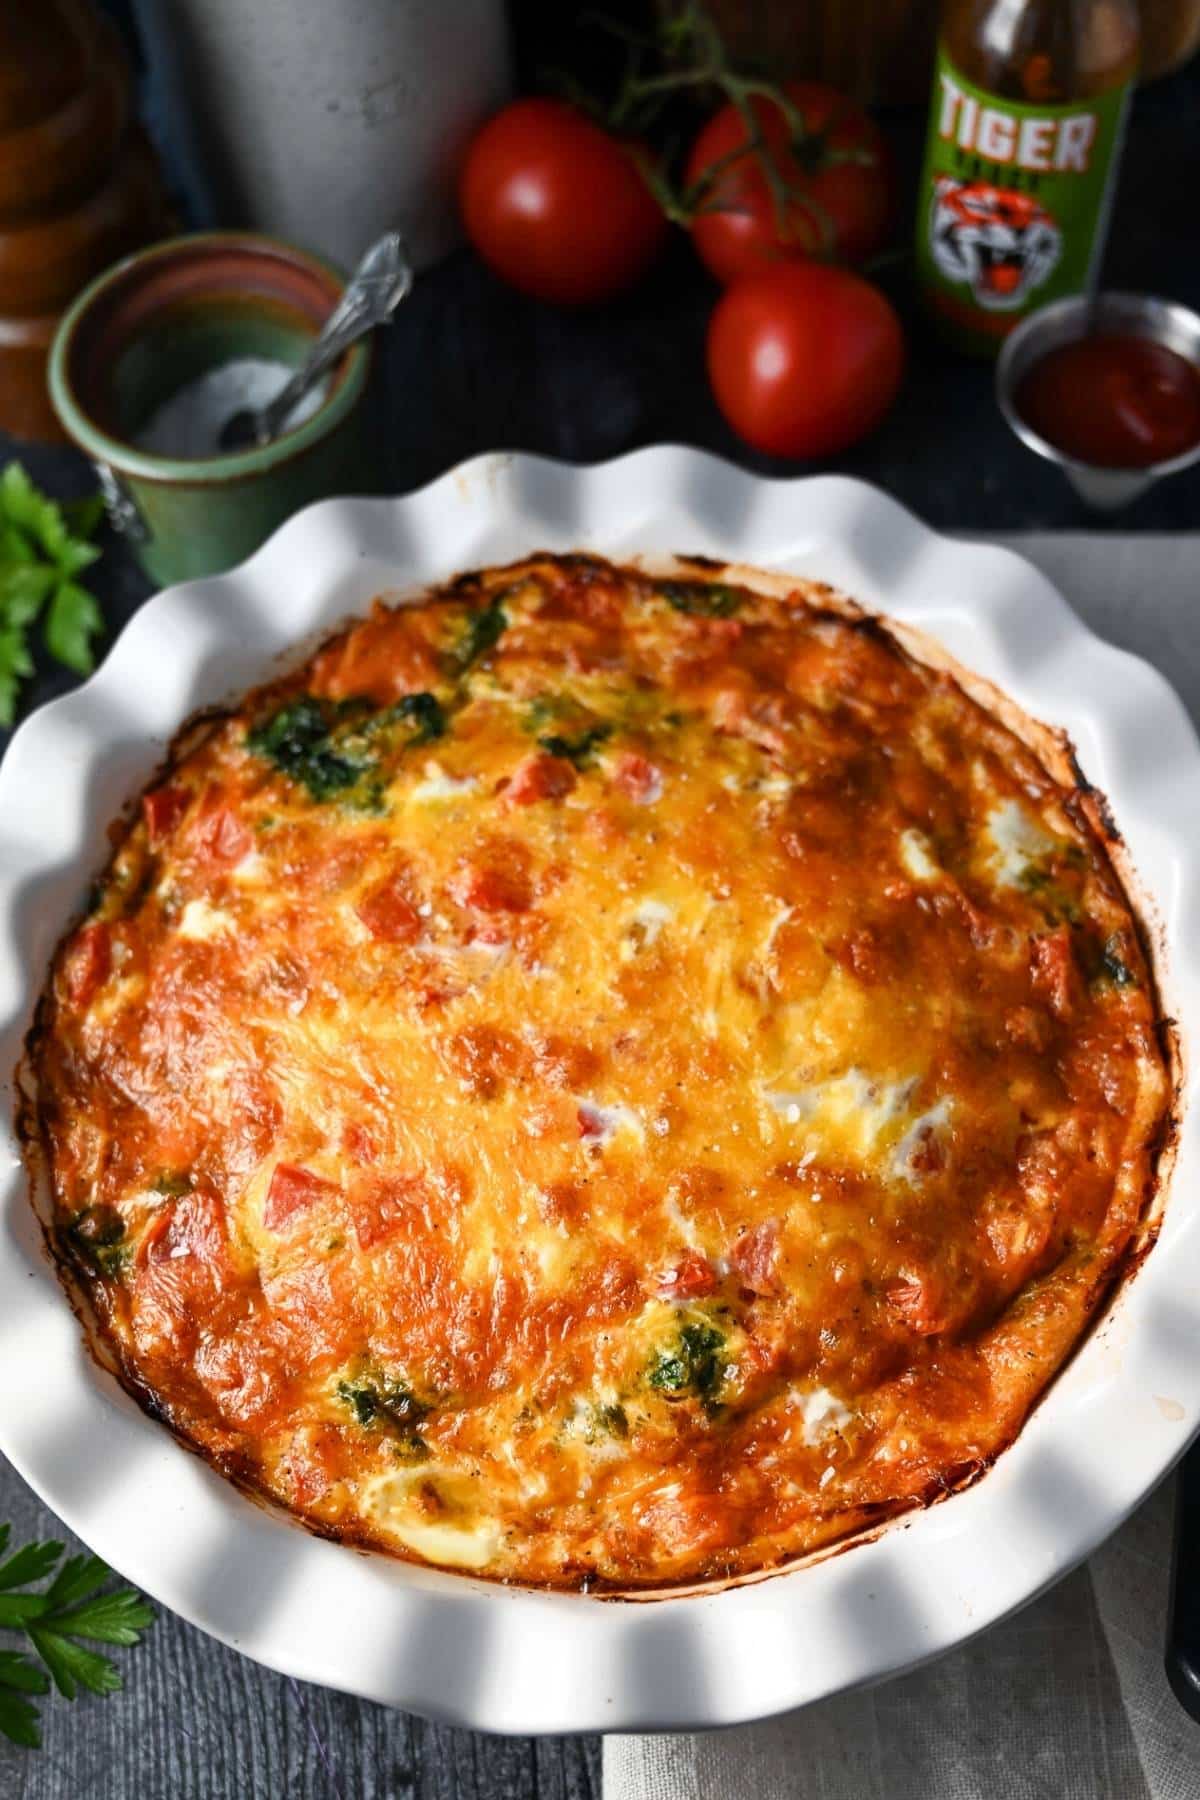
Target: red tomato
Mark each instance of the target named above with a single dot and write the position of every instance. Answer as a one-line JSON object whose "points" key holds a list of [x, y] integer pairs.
{"points": [[691, 1278], [839, 186], [88, 962], [163, 809], [540, 777], [389, 914], [218, 834], [492, 888], [556, 206], [804, 359], [754, 1255], [292, 1191], [638, 778]]}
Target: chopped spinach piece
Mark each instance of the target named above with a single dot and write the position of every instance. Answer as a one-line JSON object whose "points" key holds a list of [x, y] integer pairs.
{"points": [[483, 631], [702, 599], [1114, 965], [424, 713], [576, 749], [409, 1447], [1054, 903], [335, 749], [543, 710], [592, 1420], [693, 1366], [298, 739], [98, 1232], [393, 1408], [380, 1401], [613, 1419]]}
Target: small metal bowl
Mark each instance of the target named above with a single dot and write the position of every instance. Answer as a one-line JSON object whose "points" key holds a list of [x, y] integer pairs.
{"points": [[1084, 315]]}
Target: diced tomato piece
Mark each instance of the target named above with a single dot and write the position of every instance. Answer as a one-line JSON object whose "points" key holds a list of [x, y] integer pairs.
{"points": [[691, 1278], [359, 1143], [163, 809], [753, 1257], [917, 1301], [192, 1225], [389, 914], [381, 659], [88, 961], [540, 777], [219, 835], [379, 1204], [763, 1355], [927, 1155], [488, 888], [640, 779], [1052, 963], [292, 1190], [595, 1127]]}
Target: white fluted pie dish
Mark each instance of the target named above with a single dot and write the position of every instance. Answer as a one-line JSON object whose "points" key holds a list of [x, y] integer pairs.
{"points": [[446, 1644]]}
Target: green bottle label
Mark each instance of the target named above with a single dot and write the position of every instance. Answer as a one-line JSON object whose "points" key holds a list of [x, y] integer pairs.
{"points": [[1013, 201]]}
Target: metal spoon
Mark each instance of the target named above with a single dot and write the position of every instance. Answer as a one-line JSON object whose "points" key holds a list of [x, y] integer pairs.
{"points": [[374, 291]]}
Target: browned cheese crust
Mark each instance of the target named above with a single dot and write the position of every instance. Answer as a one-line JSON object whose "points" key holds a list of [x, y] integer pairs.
{"points": [[600, 1078]]}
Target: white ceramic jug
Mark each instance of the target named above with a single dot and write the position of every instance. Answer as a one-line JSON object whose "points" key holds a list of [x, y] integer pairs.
{"points": [[323, 123]]}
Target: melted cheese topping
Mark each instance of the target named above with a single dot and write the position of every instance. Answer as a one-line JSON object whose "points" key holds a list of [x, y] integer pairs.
{"points": [[596, 1079]]}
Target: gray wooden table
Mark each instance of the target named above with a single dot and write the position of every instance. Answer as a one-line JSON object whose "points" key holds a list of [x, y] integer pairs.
{"points": [[196, 1721]]}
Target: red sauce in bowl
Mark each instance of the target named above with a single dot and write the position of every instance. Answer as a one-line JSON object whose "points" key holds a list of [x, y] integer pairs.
{"points": [[1116, 402]]}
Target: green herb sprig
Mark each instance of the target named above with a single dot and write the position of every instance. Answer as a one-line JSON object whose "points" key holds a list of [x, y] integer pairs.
{"points": [[43, 550], [56, 1620]]}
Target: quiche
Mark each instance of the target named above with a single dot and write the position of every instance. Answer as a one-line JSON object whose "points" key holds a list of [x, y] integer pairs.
{"points": [[603, 1078]]}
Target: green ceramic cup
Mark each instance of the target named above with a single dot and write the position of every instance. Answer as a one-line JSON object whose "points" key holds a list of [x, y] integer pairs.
{"points": [[155, 322]]}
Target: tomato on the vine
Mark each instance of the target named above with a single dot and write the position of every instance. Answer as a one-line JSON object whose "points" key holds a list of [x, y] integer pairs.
{"points": [[838, 181], [804, 359], [556, 206]]}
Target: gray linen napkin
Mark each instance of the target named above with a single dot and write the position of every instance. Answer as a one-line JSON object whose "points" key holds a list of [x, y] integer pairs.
{"points": [[1067, 1700]]}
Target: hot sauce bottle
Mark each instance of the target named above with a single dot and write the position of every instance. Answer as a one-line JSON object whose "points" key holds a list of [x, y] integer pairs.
{"points": [[1029, 103]]}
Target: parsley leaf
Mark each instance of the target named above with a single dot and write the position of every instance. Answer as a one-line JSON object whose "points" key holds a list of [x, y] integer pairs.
{"points": [[18, 1717], [43, 549], [71, 624], [55, 1620], [15, 664]]}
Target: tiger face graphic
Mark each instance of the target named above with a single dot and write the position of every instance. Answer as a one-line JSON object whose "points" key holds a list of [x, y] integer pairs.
{"points": [[1001, 242]]}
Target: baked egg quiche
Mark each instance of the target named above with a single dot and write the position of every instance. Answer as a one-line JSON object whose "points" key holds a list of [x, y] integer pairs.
{"points": [[602, 1078]]}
